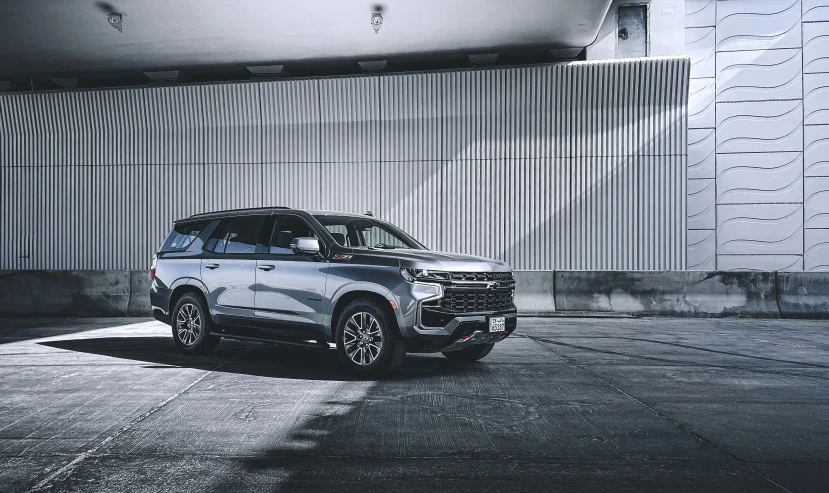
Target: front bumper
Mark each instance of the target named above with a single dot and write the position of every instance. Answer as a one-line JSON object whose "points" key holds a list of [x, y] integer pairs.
{"points": [[462, 331]]}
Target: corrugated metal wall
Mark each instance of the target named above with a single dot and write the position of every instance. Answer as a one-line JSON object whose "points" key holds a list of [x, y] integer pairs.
{"points": [[572, 166]]}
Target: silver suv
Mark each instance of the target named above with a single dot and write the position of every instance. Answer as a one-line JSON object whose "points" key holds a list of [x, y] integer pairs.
{"points": [[320, 279]]}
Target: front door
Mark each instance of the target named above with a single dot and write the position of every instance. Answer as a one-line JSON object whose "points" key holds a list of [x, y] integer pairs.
{"points": [[290, 287], [229, 270]]}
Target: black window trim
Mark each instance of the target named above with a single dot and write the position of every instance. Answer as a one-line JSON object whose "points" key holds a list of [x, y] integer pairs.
{"points": [[325, 248], [241, 256]]}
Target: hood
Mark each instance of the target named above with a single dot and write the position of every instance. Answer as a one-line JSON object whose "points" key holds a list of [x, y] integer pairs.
{"points": [[428, 259]]}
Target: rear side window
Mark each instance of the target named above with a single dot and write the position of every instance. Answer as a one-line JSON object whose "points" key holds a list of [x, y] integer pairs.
{"points": [[237, 236], [182, 236]]}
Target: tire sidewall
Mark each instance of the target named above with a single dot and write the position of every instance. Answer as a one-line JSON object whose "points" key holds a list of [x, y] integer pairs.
{"points": [[201, 343], [389, 340]]}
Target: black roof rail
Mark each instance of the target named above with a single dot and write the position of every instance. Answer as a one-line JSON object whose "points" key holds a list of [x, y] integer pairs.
{"points": [[239, 210]]}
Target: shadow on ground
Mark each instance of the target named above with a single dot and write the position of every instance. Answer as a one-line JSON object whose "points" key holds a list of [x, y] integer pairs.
{"points": [[255, 359]]}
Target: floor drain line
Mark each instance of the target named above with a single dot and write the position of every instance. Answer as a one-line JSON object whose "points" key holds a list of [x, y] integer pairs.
{"points": [[66, 470], [662, 415]]}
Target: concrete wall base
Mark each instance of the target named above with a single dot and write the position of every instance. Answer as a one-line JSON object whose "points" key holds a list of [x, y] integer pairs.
{"points": [[539, 293]]}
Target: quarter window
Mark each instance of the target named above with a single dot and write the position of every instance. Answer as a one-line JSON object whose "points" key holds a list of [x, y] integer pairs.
{"points": [[182, 236]]}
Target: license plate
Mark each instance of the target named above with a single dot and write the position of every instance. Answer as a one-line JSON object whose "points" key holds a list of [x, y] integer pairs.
{"points": [[497, 324]]}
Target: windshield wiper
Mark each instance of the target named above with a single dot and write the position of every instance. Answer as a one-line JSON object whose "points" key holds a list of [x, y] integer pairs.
{"points": [[384, 246]]}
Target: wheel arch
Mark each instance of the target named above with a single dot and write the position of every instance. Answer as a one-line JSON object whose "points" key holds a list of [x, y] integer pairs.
{"points": [[382, 301], [183, 286]]}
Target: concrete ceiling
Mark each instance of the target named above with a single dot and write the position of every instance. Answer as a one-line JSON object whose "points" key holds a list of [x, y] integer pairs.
{"points": [[42, 38]]}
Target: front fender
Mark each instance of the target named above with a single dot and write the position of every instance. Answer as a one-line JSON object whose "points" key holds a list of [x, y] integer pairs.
{"points": [[363, 286]]}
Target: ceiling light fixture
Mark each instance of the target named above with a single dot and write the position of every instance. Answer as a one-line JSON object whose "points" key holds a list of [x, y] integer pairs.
{"points": [[116, 20], [376, 21]]}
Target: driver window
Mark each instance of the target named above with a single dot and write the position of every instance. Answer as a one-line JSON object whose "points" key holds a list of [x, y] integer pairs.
{"points": [[288, 228]]}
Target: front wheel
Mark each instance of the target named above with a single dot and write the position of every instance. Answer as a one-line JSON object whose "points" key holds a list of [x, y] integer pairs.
{"points": [[365, 341], [470, 354]]}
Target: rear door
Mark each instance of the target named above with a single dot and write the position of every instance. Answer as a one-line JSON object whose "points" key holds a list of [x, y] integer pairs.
{"points": [[229, 270], [290, 288]]}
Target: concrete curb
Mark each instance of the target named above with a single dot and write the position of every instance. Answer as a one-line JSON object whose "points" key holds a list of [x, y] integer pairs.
{"points": [[538, 293]]}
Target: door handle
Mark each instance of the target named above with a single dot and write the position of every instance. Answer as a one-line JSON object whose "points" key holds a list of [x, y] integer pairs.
{"points": [[266, 267], [212, 266]]}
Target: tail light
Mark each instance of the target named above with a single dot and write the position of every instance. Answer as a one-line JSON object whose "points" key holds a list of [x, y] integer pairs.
{"points": [[152, 268]]}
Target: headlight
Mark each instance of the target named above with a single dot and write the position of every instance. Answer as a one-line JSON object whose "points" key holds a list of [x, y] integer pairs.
{"points": [[423, 275]]}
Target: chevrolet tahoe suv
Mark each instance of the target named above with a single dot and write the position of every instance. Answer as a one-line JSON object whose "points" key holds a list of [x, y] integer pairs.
{"points": [[327, 279]]}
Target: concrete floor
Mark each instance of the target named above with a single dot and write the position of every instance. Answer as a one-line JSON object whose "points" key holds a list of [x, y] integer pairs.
{"points": [[566, 404]]}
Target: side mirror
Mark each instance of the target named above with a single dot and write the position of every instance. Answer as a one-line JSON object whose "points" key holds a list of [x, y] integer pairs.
{"points": [[305, 246]]}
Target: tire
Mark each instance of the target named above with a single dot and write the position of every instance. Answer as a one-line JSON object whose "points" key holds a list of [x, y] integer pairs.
{"points": [[364, 327], [192, 325], [470, 354]]}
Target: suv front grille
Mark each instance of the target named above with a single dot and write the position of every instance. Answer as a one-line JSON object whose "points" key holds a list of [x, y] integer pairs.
{"points": [[481, 276], [476, 301]]}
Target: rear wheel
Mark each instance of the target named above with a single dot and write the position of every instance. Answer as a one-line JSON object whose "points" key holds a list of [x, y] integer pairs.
{"points": [[192, 325], [366, 343], [470, 354]]}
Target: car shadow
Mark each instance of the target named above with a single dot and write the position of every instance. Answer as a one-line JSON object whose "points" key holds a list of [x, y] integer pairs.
{"points": [[249, 358]]}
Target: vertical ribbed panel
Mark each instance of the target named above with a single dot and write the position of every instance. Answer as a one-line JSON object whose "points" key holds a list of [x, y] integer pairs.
{"points": [[351, 187], [175, 125], [413, 110], [232, 121], [116, 120], [175, 192], [290, 121], [232, 186], [571, 166], [302, 188], [620, 213], [417, 200], [499, 114], [350, 109]]}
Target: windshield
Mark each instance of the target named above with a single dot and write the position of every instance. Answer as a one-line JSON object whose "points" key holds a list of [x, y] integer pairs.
{"points": [[365, 232]]}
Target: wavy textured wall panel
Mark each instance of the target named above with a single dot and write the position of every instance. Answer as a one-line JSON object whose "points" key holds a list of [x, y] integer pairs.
{"points": [[816, 256], [760, 178], [700, 13], [702, 204], [815, 11], [817, 203], [758, 24], [290, 121], [760, 126], [702, 148], [350, 109], [463, 159], [701, 46], [815, 47], [761, 229], [816, 156], [816, 99], [759, 75], [701, 103], [702, 249], [760, 263]]}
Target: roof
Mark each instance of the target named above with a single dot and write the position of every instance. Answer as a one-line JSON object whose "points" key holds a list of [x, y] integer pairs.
{"points": [[269, 209]]}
